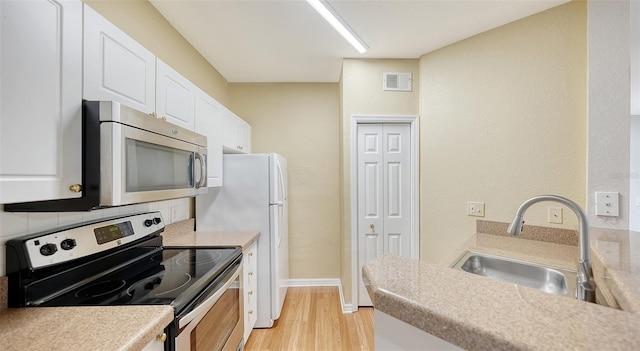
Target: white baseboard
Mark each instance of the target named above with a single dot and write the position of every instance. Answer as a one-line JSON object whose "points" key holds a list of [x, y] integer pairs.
{"points": [[314, 282], [346, 308]]}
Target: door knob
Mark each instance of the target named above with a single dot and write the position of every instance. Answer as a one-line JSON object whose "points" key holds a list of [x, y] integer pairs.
{"points": [[372, 226]]}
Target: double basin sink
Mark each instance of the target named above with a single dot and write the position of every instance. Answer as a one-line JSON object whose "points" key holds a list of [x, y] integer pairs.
{"points": [[549, 279]]}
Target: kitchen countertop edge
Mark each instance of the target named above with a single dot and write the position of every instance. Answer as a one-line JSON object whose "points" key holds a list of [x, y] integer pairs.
{"points": [[476, 313]]}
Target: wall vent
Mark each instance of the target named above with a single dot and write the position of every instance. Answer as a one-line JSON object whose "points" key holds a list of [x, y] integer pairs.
{"points": [[396, 81]]}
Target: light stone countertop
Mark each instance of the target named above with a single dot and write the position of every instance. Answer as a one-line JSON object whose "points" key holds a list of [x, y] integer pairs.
{"points": [[82, 328], [618, 255], [182, 234], [477, 313]]}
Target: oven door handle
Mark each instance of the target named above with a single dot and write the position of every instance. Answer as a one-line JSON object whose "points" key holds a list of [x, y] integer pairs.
{"points": [[201, 310]]}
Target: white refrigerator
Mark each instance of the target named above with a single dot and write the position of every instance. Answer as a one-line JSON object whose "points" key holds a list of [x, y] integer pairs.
{"points": [[253, 196]]}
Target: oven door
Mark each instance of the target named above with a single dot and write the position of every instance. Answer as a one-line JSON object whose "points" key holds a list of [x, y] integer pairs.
{"points": [[140, 166], [216, 323]]}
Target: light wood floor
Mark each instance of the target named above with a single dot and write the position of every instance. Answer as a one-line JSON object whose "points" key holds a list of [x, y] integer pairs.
{"points": [[312, 319]]}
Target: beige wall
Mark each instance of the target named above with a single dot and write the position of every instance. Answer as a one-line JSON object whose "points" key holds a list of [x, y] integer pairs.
{"points": [[362, 94], [141, 21], [503, 118], [300, 121]]}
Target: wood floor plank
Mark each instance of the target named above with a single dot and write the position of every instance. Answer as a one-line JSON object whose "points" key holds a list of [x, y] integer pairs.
{"points": [[312, 320]]}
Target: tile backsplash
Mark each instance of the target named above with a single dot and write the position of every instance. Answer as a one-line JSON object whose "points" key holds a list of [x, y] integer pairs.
{"points": [[16, 224]]}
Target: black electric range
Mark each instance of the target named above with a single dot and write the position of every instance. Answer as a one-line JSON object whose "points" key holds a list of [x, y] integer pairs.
{"points": [[118, 261]]}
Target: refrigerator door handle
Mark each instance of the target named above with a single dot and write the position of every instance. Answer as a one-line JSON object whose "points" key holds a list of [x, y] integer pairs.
{"points": [[278, 203]]}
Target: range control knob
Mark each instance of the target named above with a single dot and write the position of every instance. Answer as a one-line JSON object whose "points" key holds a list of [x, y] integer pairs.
{"points": [[68, 244], [148, 223], [157, 220], [48, 249]]}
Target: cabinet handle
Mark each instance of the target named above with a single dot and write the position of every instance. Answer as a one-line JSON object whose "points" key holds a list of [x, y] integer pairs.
{"points": [[162, 337], [76, 188], [154, 114]]}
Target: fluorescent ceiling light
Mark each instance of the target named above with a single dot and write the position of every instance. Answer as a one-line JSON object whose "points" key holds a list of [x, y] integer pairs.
{"points": [[330, 15]]}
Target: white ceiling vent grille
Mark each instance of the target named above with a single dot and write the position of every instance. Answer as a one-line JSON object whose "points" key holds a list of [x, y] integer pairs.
{"points": [[396, 81]]}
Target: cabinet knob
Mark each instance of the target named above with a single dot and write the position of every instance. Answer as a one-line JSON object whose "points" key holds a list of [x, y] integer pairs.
{"points": [[250, 312], [250, 253], [154, 114], [250, 273], [250, 292], [76, 188], [164, 118], [162, 337]]}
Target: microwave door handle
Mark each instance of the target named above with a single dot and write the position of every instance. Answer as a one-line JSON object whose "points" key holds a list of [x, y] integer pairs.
{"points": [[203, 170]]}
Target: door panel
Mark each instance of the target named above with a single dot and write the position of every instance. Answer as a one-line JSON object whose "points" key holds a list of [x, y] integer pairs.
{"points": [[395, 188], [384, 186], [394, 243], [371, 185]]}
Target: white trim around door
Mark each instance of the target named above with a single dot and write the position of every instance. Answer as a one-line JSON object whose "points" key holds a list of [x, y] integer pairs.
{"points": [[415, 194]]}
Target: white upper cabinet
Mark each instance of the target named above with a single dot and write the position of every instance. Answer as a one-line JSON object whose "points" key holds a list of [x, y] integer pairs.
{"points": [[40, 100], [175, 96], [208, 122], [236, 136], [245, 136], [116, 67]]}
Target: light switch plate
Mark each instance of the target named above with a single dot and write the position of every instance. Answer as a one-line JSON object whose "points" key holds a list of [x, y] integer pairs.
{"points": [[607, 204]]}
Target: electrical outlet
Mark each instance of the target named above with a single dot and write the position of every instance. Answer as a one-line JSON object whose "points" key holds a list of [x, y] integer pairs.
{"points": [[475, 209], [555, 215], [607, 204]]}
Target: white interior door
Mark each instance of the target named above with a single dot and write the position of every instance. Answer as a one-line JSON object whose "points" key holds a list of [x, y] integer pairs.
{"points": [[384, 194]]}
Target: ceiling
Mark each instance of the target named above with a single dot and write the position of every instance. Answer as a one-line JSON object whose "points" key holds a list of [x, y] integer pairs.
{"points": [[287, 41]]}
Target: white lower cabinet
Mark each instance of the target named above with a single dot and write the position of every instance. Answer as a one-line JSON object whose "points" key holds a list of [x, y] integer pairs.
{"points": [[394, 334], [157, 344], [249, 270]]}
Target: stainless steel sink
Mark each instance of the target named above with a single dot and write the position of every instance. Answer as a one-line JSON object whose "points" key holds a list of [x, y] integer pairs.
{"points": [[552, 280]]}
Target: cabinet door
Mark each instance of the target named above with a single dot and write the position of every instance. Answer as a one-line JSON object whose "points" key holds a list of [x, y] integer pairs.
{"points": [[250, 267], [116, 67], [245, 137], [175, 96], [40, 99], [208, 122], [237, 134], [231, 132]]}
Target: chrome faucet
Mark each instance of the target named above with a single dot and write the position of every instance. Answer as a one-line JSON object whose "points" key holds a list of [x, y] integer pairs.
{"points": [[586, 287]]}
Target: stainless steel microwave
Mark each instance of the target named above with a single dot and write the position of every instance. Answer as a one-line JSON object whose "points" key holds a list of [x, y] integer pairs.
{"points": [[131, 157]]}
